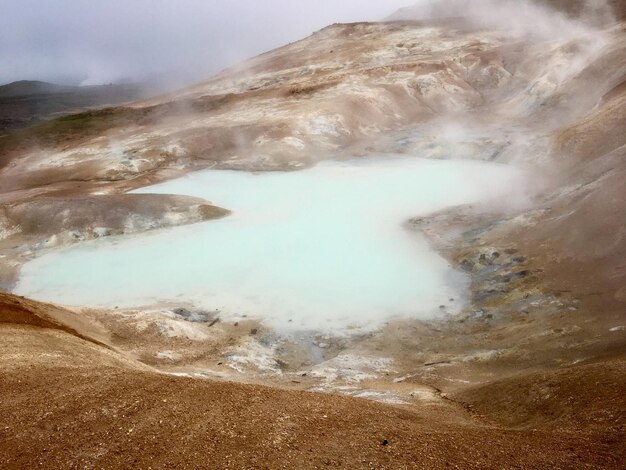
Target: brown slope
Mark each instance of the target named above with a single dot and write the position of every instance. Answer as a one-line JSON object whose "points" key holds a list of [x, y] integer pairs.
{"points": [[589, 396], [16, 310], [576, 233], [68, 403]]}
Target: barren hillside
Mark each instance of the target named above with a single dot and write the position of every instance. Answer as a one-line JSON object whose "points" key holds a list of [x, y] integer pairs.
{"points": [[529, 375], [71, 403]]}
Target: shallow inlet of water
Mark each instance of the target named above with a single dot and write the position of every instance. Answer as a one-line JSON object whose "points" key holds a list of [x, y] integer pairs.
{"points": [[322, 249]]}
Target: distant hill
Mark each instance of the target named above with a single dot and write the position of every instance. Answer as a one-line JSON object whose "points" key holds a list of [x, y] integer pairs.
{"points": [[31, 87], [25, 102]]}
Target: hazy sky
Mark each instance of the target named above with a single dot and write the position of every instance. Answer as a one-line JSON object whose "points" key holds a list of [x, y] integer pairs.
{"points": [[102, 41]]}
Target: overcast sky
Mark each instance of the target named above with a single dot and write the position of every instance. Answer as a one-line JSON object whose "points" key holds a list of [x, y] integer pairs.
{"points": [[103, 41]]}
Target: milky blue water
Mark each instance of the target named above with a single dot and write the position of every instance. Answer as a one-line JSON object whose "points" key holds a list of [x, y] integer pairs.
{"points": [[320, 249]]}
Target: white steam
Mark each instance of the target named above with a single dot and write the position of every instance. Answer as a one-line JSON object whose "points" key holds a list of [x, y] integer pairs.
{"points": [[518, 18]]}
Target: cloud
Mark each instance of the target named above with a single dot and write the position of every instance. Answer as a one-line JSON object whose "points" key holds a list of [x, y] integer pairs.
{"points": [[102, 41]]}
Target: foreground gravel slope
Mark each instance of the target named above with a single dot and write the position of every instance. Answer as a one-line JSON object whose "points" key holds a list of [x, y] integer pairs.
{"points": [[70, 403]]}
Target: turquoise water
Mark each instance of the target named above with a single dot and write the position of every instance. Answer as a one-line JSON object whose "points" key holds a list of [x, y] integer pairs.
{"points": [[320, 249]]}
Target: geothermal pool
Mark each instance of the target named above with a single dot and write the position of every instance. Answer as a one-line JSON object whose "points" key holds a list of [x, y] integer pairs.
{"points": [[322, 249]]}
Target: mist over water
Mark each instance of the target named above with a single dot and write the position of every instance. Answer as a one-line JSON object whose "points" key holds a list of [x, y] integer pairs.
{"points": [[321, 249]]}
